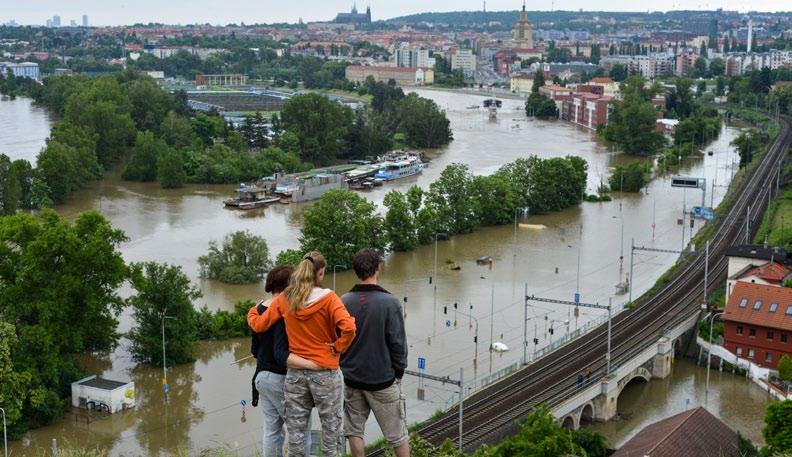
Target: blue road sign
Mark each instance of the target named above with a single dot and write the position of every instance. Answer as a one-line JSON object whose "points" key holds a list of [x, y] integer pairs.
{"points": [[421, 363], [577, 297], [701, 212], [165, 388]]}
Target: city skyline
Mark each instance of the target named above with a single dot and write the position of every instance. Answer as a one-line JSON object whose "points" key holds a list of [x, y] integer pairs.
{"points": [[251, 12]]}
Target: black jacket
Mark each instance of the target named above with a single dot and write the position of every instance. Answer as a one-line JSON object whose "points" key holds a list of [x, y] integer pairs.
{"points": [[270, 348], [378, 354]]}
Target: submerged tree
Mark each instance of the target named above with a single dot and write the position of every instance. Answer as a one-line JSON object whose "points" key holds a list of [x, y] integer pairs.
{"points": [[243, 258], [164, 298]]}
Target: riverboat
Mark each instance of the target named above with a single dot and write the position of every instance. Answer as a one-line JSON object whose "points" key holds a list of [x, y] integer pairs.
{"points": [[401, 167], [308, 186], [250, 197]]}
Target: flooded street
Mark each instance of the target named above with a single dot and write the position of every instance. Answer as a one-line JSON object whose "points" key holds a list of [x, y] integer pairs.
{"points": [[175, 226]]}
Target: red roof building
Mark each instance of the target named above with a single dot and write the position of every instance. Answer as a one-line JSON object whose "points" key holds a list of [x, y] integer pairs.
{"points": [[693, 433], [758, 323]]}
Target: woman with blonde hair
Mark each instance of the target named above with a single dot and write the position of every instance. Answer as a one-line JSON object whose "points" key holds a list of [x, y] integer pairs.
{"points": [[319, 329]]}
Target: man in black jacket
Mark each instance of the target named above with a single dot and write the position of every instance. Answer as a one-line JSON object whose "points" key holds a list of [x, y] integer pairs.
{"points": [[374, 364]]}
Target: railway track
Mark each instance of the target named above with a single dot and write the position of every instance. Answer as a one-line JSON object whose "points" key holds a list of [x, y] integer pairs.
{"points": [[492, 412]]}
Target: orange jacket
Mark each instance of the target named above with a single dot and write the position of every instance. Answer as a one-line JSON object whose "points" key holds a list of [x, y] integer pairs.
{"points": [[311, 328]]}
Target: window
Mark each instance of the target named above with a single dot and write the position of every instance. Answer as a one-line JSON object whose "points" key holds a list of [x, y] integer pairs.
{"points": [[757, 305], [743, 303], [784, 337], [739, 351], [750, 353], [752, 332], [739, 330], [769, 357], [789, 310], [773, 307], [770, 335]]}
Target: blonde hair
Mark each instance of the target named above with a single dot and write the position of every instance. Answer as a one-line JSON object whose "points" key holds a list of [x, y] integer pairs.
{"points": [[303, 280]]}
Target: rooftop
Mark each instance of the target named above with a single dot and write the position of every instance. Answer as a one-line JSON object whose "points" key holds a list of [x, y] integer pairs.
{"points": [[101, 383], [693, 433], [754, 251], [761, 305], [772, 272]]}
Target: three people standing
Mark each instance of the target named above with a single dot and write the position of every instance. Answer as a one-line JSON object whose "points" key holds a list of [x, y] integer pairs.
{"points": [[364, 332]]}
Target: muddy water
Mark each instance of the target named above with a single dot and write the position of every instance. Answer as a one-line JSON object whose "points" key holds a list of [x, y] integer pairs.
{"points": [[175, 226], [23, 128], [733, 398]]}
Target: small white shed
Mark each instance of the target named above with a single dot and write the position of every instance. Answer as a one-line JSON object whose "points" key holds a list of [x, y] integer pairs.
{"points": [[101, 394]]}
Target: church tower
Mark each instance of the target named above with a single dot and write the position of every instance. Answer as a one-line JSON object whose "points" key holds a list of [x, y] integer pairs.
{"points": [[523, 31]]}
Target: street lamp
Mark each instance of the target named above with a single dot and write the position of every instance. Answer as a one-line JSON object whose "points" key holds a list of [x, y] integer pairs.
{"points": [[709, 357], [5, 436], [164, 360], [434, 275], [334, 275]]}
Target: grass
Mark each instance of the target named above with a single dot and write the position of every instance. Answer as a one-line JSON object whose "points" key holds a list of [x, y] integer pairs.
{"points": [[776, 224]]}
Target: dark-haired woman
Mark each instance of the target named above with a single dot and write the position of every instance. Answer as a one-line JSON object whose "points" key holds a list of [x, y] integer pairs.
{"points": [[319, 329]]}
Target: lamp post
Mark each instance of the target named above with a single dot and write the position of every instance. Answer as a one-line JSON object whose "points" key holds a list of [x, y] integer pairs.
{"points": [[434, 293], [164, 360], [709, 357], [334, 275], [5, 436]]}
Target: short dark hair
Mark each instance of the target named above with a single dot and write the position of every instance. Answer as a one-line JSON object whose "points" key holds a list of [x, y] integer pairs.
{"points": [[365, 263], [278, 279]]}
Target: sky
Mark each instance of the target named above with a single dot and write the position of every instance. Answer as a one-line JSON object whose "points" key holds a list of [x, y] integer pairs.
{"points": [[120, 12]]}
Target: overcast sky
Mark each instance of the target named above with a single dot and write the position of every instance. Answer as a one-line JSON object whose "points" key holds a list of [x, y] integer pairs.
{"points": [[115, 12]]}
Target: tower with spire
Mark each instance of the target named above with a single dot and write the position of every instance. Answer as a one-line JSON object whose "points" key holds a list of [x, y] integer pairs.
{"points": [[522, 36]]}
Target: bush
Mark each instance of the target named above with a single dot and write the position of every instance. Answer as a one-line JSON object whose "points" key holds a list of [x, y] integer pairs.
{"points": [[222, 324], [242, 259], [785, 368]]}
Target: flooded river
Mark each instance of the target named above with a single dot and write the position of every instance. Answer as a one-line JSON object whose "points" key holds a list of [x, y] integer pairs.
{"points": [[175, 226], [23, 128]]}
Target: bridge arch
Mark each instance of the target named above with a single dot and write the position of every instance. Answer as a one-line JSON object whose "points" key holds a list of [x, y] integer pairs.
{"points": [[568, 423], [587, 414], [640, 374]]}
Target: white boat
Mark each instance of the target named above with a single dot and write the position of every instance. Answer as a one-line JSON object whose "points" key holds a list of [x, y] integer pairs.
{"points": [[400, 168]]}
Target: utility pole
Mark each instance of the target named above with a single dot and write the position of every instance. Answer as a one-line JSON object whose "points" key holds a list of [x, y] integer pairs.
{"points": [[525, 328], [706, 270], [632, 279], [334, 275], [434, 305], [709, 359]]}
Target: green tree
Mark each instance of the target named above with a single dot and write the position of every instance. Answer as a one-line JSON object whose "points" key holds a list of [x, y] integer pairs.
{"points": [[13, 384], [24, 174], [778, 427], [242, 259], [142, 165], [320, 125], [630, 178], [399, 223], [59, 287], [785, 368], [680, 98], [717, 67], [149, 103], [422, 121], [592, 442], [10, 188], [449, 197], [162, 290], [494, 199], [177, 131], [289, 257], [632, 123], [556, 183], [339, 225], [619, 72], [538, 81], [170, 169], [540, 106], [539, 436]]}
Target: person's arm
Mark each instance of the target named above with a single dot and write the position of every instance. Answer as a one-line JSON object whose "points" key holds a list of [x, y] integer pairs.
{"points": [[262, 322], [396, 339], [345, 325], [280, 343], [295, 361]]}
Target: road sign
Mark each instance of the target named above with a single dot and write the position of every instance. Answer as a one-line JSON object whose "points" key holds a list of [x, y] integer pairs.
{"points": [[687, 181], [702, 212], [577, 297], [421, 363]]}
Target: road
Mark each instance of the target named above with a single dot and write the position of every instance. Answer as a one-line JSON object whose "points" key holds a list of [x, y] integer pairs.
{"points": [[490, 414]]}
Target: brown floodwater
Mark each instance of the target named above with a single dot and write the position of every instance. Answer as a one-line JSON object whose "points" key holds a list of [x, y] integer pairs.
{"points": [[23, 128], [175, 226]]}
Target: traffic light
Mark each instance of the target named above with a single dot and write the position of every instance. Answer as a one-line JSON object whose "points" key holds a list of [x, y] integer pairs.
{"points": [[551, 330], [445, 309], [536, 340]]}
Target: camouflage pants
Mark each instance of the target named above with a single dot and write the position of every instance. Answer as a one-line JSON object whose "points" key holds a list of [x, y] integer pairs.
{"points": [[323, 390]]}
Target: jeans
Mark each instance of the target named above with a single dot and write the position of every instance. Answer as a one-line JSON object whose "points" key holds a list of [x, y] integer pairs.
{"points": [[323, 390], [271, 400]]}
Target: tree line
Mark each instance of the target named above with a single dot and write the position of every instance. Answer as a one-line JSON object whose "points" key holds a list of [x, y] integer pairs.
{"points": [[107, 120], [458, 202]]}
